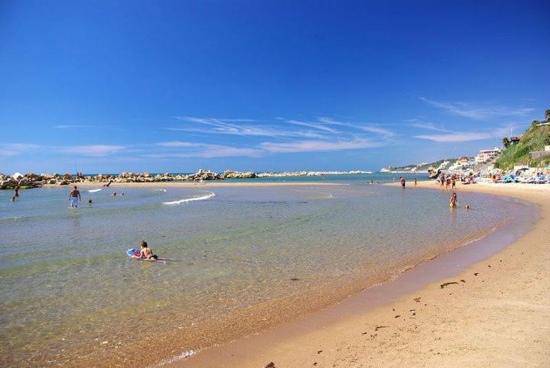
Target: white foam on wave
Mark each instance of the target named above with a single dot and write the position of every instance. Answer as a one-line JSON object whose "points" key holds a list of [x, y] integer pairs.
{"points": [[185, 200], [183, 355], [11, 218], [94, 190]]}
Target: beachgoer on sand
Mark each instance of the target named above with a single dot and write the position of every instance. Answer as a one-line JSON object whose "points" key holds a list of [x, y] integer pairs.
{"points": [[402, 180]]}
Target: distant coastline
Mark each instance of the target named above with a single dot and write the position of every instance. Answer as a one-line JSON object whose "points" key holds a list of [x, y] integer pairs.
{"points": [[33, 180]]}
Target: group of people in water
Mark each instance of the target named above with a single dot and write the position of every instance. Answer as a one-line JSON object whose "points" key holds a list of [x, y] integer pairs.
{"points": [[403, 182], [446, 181], [147, 254], [75, 198]]}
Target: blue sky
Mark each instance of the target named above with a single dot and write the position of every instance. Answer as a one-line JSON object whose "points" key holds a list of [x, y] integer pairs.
{"points": [[105, 86]]}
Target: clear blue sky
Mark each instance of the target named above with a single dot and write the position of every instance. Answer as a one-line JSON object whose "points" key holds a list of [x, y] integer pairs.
{"points": [[105, 86]]}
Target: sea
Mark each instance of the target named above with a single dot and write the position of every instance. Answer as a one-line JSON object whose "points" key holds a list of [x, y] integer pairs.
{"points": [[235, 260]]}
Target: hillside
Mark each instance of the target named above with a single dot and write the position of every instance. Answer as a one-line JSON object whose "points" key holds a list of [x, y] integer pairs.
{"points": [[534, 139], [443, 164]]}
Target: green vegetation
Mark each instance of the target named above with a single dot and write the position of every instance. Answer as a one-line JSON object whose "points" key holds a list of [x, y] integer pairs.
{"points": [[534, 139]]}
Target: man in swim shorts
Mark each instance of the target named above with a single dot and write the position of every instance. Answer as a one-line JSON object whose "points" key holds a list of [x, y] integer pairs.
{"points": [[74, 197]]}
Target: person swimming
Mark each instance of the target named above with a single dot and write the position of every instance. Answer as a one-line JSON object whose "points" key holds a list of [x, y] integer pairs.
{"points": [[146, 252]]}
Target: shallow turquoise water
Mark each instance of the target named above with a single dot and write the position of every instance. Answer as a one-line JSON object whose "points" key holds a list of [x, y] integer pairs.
{"points": [[68, 290]]}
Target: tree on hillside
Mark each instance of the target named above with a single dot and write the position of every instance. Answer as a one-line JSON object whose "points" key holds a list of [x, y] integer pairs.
{"points": [[547, 115], [505, 142]]}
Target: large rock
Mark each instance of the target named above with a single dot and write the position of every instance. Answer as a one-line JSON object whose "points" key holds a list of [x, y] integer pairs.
{"points": [[239, 175]]}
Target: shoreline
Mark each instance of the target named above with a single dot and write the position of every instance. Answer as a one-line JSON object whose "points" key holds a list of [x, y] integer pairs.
{"points": [[347, 334]]}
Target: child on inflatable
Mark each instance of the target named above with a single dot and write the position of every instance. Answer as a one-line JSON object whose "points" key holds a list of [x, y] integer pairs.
{"points": [[146, 252]]}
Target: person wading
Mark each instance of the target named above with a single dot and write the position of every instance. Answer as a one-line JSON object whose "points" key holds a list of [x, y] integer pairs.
{"points": [[74, 197]]}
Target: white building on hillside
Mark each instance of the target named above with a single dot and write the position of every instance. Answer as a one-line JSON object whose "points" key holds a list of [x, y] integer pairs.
{"points": [[487, 155]]}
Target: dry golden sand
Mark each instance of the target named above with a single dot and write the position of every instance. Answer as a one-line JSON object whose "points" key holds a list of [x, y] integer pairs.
{"points": [[498, 316]]}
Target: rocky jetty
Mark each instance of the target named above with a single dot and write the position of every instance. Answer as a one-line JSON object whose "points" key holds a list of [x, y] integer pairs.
{"points": [[23, 181], [32, 180], [239, 175]]}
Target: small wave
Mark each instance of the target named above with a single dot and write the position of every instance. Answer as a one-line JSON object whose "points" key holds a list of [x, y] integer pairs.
{"points": [[183, 355], [12, 218], [95, 190], [201, 198]]}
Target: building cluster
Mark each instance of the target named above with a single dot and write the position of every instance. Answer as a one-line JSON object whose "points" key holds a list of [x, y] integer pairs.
{"points": [[486, 155]]}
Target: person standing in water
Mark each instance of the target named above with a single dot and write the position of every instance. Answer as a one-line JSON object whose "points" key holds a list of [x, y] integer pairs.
{"points": [[402, 180], [16, 193], [415, 182], [453, 200], [74, 197]]}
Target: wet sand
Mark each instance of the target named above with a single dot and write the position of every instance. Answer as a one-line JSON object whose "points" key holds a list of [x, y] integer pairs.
{"points": [[494, 313]]}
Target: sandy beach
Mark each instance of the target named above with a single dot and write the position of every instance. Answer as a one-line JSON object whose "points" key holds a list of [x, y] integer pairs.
{"points": [[494, 313]]}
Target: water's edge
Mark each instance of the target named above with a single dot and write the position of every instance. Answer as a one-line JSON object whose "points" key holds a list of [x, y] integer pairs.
{"points": [[405, 282]]}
